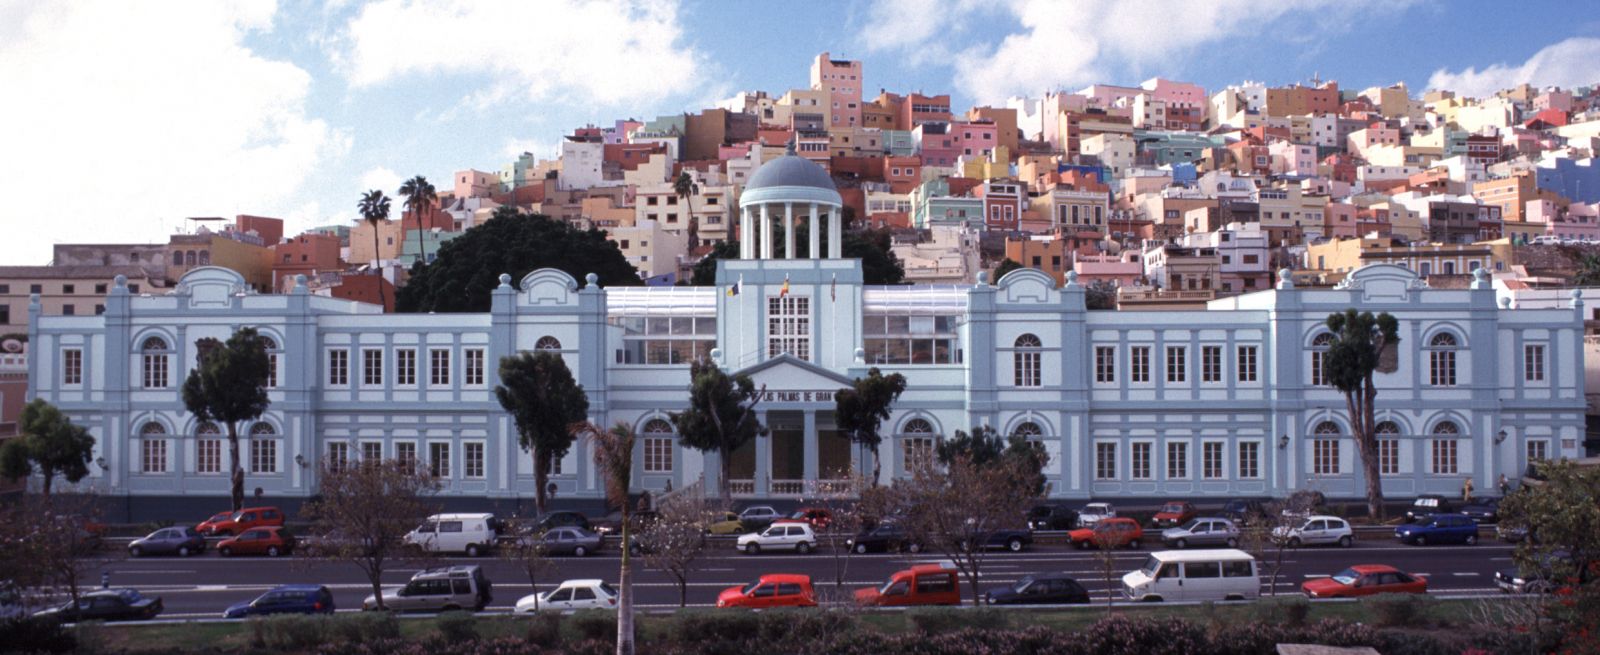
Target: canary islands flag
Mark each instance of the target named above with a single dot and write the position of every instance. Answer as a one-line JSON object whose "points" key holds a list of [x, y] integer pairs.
{"points": [[733, 290], [785, 290]]}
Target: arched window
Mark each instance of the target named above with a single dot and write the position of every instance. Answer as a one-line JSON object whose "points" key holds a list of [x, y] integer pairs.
{"points": [[1444, 448], [208, 448], [657, 445], [205, 258], [916, 444], [154, 353], [1026, 361], [1325, 456], [189, 258], [1442, 360], [263, 448], [548, 343], [271, 346], [1387, 433], [153, 448], [1319, 356], [1447, 428], [152, 428], [1028, 430]]}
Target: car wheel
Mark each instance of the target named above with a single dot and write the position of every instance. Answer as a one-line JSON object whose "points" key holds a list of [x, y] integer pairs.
{"points": [[1134, 544], [472, 550], [861, 549], [1472, 540], [135, 551], [914, 548], [1294, 542], [803, 548], [752, 549], [1181, 544], [580, 551], [183, 551], [450, 608], [1346, 541], [225, 551], [1421, 540], [1233, 543], [272, 551], [1082, 545], [1015, 545]]}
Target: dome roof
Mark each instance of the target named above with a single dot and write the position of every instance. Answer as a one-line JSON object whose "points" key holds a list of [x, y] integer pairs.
{"points": [[791, 170]]}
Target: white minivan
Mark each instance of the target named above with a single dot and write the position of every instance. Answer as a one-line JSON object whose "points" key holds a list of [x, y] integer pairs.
{"points": [[473, 534], [1220, 574]]}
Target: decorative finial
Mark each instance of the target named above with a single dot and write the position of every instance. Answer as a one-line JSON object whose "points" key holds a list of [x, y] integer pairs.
{"points": [[1577, 298], [591, 279], [120, 280], [861, 356], [716, 355], [1285, 278], [505, 280], [1505, 302], [789, 149], [1480, 278], [1072, 278], [983, 278]]}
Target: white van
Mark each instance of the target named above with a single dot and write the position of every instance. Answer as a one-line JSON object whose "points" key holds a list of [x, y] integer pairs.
{"points": [[473, 534], [1221, 574]]}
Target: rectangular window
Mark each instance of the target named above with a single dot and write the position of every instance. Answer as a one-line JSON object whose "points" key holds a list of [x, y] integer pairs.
{"points": [[1325, 457], [1247, 363], [789, 326], [208, 456], [1211, 453], [472, 459], [1025, 365], [1105, 461], [405, 367], [1177, 363], [1177, 460], [372, 451], [439, 368], [1388, 456], [405, 452], [338, 455], [1533, 363], [1318, 376], [439, 459], [1442, 368], [263, 455], [1139, 364], [473, 376], [72, 367], [909, 339], [1538, 450], [1249, 460], [917, 452], [1444, 456], [1139, 460], [153, 455], [658, 455], [1105, 364], [372, 368], [155, 371], [272, 370], [338, 368], [1211, 363]]}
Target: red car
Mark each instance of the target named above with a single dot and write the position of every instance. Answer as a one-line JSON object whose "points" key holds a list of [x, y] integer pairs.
{"points": [[924, 584], [270, 541], [1175, 512], [1365, 580], [772, 590], [234, 523], [1114, 532], [819, 518]]}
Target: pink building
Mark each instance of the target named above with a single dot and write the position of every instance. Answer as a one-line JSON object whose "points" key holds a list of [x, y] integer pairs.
{"points": [[1107, 95], [842, 79], [475, 184], [937, 146], [1575, 221], [1339, 221], [1123, 271], [1181, 94], [1293, 158], [974, 138]]}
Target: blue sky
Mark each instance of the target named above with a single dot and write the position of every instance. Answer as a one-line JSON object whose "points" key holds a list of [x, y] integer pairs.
{"points": [[140, 114]]}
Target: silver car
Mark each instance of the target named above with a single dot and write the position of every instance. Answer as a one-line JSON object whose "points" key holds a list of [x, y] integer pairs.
{"points": [[438, 590], [1203, 531]]}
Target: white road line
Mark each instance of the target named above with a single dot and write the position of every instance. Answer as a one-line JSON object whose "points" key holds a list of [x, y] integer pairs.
{"points": [[1316, 575], [1464, 574]]}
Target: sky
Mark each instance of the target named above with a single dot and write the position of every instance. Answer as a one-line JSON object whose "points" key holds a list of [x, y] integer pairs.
{"points": [[121, 119]]}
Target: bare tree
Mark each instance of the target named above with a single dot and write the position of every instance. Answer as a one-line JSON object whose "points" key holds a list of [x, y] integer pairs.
{"points": [[675, 542], [529, 554], [1266, 537], [845, 520], [365, 511], [44, 542], [957, 511], [1105, 557]]}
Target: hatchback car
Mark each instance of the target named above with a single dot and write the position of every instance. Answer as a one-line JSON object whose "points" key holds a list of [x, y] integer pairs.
{"points": [[1052, 517], [570, 596], [757, 517], [1439, 529], [561, 520], [576, 542], [884, 538], [1202, 532], [819, 517], [286, 599], [725, 523], [438, 590], [1482, 510], [272, 542], [1365, 580], [244, 519], [1093, 512], [1040, 589], [772, 590], [1112, 532], [1175, 512], [798, 537], [1242, 511], [1545, 574], [1316, 530], [1428, 504], [182, 542], [105, 605]]}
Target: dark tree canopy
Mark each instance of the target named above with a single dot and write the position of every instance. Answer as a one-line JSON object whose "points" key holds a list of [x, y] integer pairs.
{"points": [[1359, 341], [721, 415], [1006, 266], [50, 445], [863, 407], [984, 447], [546, 403], [1100, 294], [705, 270], [468, 268], [229, 386]]}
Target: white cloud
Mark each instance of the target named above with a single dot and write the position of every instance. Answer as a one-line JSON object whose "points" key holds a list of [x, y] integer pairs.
{"points": [[604, 51], [382, 179], [1568, 63], [126, 115], [540, 148]]}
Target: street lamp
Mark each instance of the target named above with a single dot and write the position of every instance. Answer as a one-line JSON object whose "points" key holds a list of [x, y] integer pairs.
{"points": [[1500, 437], [1283, 442]]}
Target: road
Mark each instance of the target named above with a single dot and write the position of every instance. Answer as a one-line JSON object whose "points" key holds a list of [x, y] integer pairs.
{"points": [[203, 586]]}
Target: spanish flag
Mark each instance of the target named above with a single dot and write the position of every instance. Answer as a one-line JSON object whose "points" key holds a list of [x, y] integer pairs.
{"points": [[785, 290]]}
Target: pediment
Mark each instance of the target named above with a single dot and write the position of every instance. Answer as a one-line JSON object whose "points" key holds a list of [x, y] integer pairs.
{"points": [[789, 373]]}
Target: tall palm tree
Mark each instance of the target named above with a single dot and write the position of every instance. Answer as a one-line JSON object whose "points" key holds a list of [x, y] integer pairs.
{"points": [[374, 208], [613, 456], [419, 193], [685, 187]]}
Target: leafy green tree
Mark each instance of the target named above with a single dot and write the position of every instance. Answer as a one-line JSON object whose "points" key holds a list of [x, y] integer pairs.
{"points": [[467, 268], [1588, 274], [546, 402], [721, 416], [861, 409], [685, 188], [419, 194], [705, 270], [984, 447], [1005, 267], [1562, 517], [879, 265], [613, 455], [1359, 340], [1100, 294], [50, 444], [229, 386], [374, 208]]}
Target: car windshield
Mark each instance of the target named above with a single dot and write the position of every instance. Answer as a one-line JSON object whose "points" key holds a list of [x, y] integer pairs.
{"points": [[1172, 508], [1151, 565], [1041, 511], [1427, 502], [220, 516], [1095, 508], [1190, 525], [798, 515], [1022, 584], [1346, 577], [745, 590]]}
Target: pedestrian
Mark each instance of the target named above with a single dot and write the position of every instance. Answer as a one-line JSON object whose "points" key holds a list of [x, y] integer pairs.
{"points": [[1505, 486], [1466, 491], [105, 579]]}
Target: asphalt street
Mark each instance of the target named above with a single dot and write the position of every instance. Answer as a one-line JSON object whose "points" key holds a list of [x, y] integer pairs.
{"points": [[202, 586]]}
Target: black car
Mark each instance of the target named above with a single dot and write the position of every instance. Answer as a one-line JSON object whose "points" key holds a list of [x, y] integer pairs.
{"points": [[1012, 540], [884, 538], [1052, 517], [105, 605], [1243, 511], [1040, 589], [561, 520], [1427, 504], [1482, 510], [1536, 580]]}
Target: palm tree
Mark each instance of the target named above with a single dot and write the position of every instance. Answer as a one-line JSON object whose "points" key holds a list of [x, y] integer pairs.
{"points": [[419, 193], [685, 187], [374, 208], [613, 455]]}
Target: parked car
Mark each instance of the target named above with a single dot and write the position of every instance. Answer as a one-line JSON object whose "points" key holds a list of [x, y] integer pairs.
{"points": [[922, 584], [1053, 516], [1304, 503], [439, 590], [326, 544], [1316, 530], [472, 534], [1202, 532], [1012, 540], [11, 605], [285, 599], [1093, 512], [1365, 580], [1174, 512], [1040, 589], [237, 522], [1482, 510], [798, 537], [272, 542], [1426, 505], [105, 605], [728, 523], [573, 541], [1540, 578], [757, 517], [819, 517], [562, 519], [571, 595], [884, 538], [1243, 511], [1513, 534], [1113, 532], [771, 590], [1221, 574], [182, 542], [1439, 529], [612, 523]]}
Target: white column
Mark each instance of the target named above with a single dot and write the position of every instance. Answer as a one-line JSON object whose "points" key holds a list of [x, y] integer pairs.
{"points": [[766, 231], [747, 244], [816, 233], [788, 230], [835, 234]]}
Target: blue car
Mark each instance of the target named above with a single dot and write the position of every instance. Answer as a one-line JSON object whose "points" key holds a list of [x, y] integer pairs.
{"points": [[287, 599], [1439, 529]]}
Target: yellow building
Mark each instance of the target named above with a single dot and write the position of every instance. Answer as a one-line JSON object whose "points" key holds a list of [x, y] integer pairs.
{"points": [[226, 249], [996, 165], [1336, 258], [390, 240]]}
